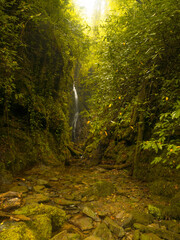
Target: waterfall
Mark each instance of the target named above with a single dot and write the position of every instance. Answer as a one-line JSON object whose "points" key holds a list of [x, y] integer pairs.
{"points": [[76, 115]]}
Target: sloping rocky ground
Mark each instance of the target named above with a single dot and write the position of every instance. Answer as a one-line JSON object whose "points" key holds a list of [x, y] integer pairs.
{"points": [[82, 202]]}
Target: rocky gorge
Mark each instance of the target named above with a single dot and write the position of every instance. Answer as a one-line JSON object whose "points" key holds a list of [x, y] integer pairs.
{"points": [[83, 202]]}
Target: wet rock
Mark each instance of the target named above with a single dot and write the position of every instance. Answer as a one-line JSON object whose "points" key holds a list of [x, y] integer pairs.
{"points": [[92, 198], [101, 170], [13, 217], [73, 236], [84, 199], [84, 223], [54, 179], [39, 188], [65, 202], [42, 182], [114, 227], [125, 219], [41, 225], [23, 189], [171, 225], [173, 211], [149, 236], [17, 231], [141, 217], [60, 236], [102, 213], [37, 198], [120, 215], [92, 238], [90, 213], [10, 194], [156, 212], [57, 215], [101, 189], [10, 204], [103, 232], [162, 233], [66, 236], [136, 235], [10, 200]]}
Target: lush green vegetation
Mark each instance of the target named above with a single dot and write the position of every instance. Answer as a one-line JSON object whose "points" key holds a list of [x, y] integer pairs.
{"points": [[41, 42], [128, 82], [135, 80]]}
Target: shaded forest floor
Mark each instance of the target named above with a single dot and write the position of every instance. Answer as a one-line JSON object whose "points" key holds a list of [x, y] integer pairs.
{"points": [[108, 204]]}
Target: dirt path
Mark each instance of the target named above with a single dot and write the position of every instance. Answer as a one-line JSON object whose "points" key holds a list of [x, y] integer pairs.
{"points": [[92, 196]]}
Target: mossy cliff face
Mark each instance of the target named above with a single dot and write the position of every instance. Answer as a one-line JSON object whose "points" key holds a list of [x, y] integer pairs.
{"points": [[44, 220], [37, 65], [21, 149]]}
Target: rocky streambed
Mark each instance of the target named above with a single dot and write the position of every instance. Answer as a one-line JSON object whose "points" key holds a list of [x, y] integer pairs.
{"points": [[79, 202]]}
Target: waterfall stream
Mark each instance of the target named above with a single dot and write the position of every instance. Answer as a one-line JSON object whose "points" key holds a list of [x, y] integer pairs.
{"points": [[76, 115]]}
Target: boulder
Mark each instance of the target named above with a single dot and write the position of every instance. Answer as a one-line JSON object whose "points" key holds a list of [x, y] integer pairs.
{"points": [[65, 202], [64, 235], [136, 235], [57, 215], [38, 188], [173, 211], [10, 200], [114, 227], [90, 213], [141, 217], [84, 223], [101, 189], [23, 189], [125, 219], [92, 238], [37, 198], [162, 233], [42, 182], [103, 232], [17, 231], [171, 225], [41, 226], [149, 236], [156, 212]]}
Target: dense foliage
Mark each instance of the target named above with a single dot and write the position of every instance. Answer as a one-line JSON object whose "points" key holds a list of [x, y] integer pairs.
{"points": [[135, 79], [41, 41]]}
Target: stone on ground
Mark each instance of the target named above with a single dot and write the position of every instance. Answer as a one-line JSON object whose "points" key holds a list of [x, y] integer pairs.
{"points": [[149, 236], [18, 232], [93, 238], [64, 235], [103, 232], [114, 227], [41, 225], [90, 213], [84, 223], [101, 189], [57, 215]]}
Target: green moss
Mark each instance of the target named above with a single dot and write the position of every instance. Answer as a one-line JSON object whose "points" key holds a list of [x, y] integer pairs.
{"points": [[73, 236], [57, 215], [156, 212], [41, 224], [163, 188], [173, 210], [142, 217], [17, 232], [101, 189]]}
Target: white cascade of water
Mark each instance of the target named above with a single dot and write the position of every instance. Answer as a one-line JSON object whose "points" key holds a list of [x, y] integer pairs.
{"points": [[76, 115]]}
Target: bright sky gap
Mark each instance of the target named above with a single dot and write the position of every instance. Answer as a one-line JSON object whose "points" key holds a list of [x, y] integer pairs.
{"points": [[87, 6]]}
